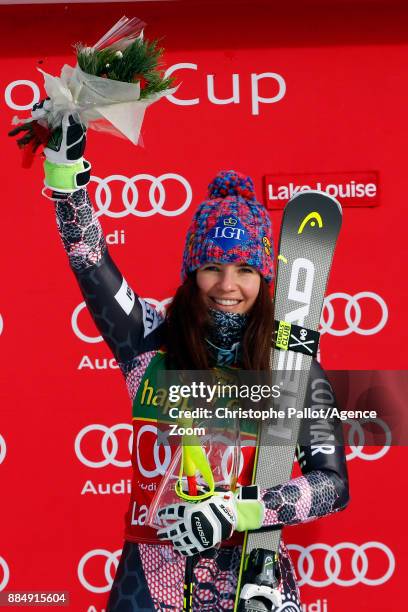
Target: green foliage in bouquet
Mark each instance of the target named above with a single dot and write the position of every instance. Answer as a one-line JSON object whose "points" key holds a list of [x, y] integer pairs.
{"points": [[137, 62]]}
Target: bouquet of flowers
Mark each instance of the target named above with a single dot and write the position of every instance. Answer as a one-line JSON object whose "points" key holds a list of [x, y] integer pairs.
{"points": [[109, 89]]}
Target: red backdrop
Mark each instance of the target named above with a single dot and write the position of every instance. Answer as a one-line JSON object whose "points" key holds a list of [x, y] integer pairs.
{"points": [[318, 90]]}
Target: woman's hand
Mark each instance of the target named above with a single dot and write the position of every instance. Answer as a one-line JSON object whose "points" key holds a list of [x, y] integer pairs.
{"points": [[65, 168], [67, 142], [193, 528]]}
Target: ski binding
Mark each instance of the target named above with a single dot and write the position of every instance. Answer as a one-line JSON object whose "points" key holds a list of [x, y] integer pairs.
{"points": [[261, 579]]}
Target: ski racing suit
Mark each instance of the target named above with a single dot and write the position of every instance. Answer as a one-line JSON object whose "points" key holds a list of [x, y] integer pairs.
{"points": [[150, 575]]}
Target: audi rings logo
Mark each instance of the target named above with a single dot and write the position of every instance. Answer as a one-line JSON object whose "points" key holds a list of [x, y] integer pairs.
{"points": [[109, 445], [3, 448], [353, 314], [93, 558], [356, 440], [159, 305], [131, 198], [334, 562], [6, 573], [109, 448], [31, 94], [160, 466]]}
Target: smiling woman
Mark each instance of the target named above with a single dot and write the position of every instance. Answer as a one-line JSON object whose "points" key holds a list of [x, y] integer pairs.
{"points": [[222, 314]]}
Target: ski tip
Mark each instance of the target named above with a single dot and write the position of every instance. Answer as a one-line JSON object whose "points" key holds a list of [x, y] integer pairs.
{"points": [[320, 193]]}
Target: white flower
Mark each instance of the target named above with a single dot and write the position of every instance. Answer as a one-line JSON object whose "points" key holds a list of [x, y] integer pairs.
{"points": [[119, 54]]}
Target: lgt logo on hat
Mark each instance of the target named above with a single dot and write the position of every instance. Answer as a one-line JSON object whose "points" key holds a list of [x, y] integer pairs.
{"points": [[228, 233]]}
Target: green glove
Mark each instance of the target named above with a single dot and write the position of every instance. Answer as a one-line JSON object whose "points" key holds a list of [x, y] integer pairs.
{"points": [[250, 509]]}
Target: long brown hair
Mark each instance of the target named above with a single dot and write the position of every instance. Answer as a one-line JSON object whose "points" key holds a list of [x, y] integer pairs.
{"points": [[188, 323]]}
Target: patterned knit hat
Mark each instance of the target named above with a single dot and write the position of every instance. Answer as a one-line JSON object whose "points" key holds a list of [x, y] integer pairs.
{"points": [[230, 227]]}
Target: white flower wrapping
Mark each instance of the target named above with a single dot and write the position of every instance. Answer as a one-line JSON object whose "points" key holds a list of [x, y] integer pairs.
{"points": [[102, 104]]}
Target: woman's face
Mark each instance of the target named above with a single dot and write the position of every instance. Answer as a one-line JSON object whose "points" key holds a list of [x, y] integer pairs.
{"points": [[229, 287]]}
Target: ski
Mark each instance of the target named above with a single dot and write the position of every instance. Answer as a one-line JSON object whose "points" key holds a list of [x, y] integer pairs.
{"points": [[310, 226]]}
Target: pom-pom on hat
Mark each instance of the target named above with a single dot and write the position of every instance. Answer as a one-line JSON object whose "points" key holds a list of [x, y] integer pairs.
{"points": [[230, 227]]}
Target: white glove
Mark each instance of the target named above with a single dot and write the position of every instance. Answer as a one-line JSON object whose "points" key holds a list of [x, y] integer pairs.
{"points": [[65, 168], [196, 527], [67, 143]]}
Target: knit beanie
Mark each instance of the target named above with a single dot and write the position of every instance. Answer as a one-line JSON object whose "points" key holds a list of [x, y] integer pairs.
{"points": [[230, 227]]}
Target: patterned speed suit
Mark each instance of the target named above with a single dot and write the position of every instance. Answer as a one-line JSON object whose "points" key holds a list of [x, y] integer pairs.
{"points": [[150, 575]]}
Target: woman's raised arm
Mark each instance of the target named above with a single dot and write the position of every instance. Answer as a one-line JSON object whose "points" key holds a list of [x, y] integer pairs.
{"points": [[129, 325]]}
